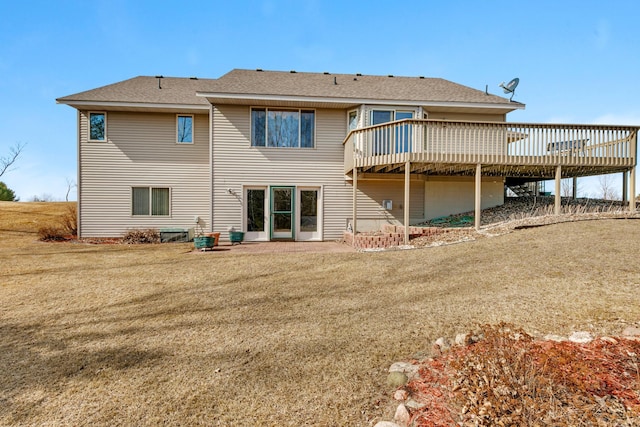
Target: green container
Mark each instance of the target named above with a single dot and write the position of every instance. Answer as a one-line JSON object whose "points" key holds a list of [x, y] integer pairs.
{"points": [[236, 236], [204, 242]]}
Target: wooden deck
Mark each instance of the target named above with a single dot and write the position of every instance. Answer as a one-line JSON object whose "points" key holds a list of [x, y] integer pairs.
{"points": [[437, 147], [526, 151]]}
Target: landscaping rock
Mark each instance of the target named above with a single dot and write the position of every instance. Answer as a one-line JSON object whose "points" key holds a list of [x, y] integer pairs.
{"points": [[556, 338], [631, 331], [386, 424], [412, 404], [443, 343], [397, 379], [581, 337], [407, 368], [401, 395], [402, 416]]}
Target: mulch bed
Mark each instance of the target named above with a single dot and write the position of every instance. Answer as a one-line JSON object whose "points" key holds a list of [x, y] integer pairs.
{"points": [[510, 379]]}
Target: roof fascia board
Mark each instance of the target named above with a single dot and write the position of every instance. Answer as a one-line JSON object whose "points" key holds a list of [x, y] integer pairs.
{"points": [[133, 104], [351, 101]]}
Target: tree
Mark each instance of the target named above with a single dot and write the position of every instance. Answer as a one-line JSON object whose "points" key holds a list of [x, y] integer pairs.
{"points": [[607, 188], [10, 159], [567, 188], [71, 184], [7, 194]]}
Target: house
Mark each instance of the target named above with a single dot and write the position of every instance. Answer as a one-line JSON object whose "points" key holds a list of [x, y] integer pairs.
{"points": [[305, 156]]}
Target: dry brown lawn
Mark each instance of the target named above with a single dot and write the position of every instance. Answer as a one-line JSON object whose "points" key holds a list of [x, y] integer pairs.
{"points": [[153, 334]]}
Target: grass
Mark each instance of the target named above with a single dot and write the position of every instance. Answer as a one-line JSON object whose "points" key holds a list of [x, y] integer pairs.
{"points": [[154, 334]]}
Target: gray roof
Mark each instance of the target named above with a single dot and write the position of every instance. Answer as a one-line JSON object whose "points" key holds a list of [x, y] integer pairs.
{"points": [[258, 84], [349, 86], [145, 90]]}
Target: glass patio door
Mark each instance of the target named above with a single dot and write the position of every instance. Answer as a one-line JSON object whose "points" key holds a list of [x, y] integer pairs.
{"points": [[282, 218], [308, 213]]}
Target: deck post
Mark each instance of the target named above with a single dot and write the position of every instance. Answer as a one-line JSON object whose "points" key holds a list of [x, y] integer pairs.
{"points": [[632, 187], [354, 221], [407, 188], [574, 190], [558, 189], [625, 188], [478, 193]]}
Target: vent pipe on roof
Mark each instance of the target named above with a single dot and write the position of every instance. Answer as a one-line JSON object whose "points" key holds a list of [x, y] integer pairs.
{"points": [[159, 80], [335, 80]]}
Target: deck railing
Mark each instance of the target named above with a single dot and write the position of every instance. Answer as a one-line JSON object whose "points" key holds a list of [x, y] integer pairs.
{"points": [[525, 144]]}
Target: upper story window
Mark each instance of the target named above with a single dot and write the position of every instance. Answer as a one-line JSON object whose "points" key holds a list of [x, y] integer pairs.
{"points": [[184, 129], [352, 121], [97, 126], [282, 128]]}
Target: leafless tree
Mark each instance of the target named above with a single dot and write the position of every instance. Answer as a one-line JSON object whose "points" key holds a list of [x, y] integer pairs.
{"points": [[10, 159], [607, 188], [71, 184], [567, 188]]}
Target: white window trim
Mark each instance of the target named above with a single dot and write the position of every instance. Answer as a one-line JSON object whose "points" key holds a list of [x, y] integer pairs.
{"points": [[89, 113], [393, 110], [266, 127], [150, 215], [193, 128]]}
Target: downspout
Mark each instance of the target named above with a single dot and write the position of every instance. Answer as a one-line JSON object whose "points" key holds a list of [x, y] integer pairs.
{"points": [[78, 180], [211, 166]]}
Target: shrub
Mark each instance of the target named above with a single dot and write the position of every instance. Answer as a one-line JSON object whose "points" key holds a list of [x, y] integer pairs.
{"points": [[69, 221], [52, 233], [141, 236]]}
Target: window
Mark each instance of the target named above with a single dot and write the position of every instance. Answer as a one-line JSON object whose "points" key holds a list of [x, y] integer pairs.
{"points": [[352, 121], [255, 209], [147, 201], [184, 129], [282, 128], [384, 140], [97, 126]]}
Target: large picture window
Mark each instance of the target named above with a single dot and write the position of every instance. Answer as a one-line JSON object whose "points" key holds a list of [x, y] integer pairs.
{"points": [[282, 128], [152, 201], [97, 126]]}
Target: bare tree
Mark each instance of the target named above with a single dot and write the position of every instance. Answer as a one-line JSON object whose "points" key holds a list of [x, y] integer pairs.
{"points": [[10, 159], [567, 188], [71, 184], [607, 188]]}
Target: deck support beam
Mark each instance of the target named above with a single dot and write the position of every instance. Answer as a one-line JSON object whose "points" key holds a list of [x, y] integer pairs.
{"points": [[632, 188], [478, 195], [407, 188], [354, 221], [558, 189]]}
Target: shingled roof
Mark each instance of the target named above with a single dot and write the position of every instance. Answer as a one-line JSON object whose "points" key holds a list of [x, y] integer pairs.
{"points": [[247, 86]]}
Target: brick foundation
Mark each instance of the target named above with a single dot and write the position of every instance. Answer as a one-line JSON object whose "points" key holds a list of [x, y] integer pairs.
{"points": [[389, 236]]}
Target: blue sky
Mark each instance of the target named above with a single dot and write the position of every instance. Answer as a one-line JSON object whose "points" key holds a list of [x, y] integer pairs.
{"points": [[578, 61]]}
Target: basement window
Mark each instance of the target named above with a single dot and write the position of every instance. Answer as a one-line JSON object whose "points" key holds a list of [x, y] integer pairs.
{"points": [[150, 201]]}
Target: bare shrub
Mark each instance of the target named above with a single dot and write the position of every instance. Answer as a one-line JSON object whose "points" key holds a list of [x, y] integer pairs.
{"points": [[52, 233], [141, 236], [69, 221]]}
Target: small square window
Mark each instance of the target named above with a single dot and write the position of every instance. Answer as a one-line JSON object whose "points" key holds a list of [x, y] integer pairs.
{"points": [[184, 129], [97, 126]]}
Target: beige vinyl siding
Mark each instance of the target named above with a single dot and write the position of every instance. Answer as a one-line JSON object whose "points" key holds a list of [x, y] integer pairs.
{"points": [[470, 117], [141, 150], [237, 164], [452, 195], [372, 193]]}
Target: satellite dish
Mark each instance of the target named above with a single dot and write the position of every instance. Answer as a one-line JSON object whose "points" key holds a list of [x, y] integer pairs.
{"points": [[510, 87]]}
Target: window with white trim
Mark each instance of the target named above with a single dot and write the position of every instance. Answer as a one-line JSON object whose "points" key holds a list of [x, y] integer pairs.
{"points": [[97, 126], [282, 128], [150, 201], [184, 129]]}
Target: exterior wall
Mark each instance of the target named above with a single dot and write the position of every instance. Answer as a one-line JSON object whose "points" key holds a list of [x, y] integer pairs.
{"points": [[475, 117], [141, 150], [452, 195], [236, 164], [371, 193]]}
